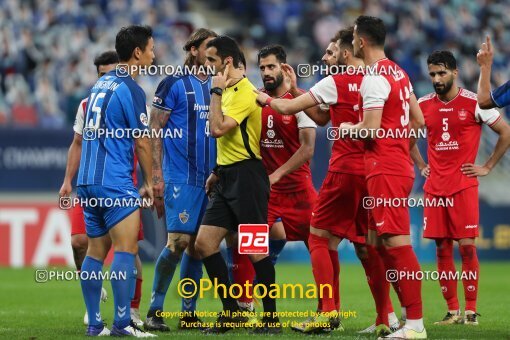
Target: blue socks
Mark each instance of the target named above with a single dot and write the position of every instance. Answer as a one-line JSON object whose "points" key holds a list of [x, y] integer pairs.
{"points": [[190, 268], [275, 248], [91, 289], [165, 268], [123, 262]]}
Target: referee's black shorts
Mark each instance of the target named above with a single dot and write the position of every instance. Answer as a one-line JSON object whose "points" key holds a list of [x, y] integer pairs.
{"points": [[240, 196]]}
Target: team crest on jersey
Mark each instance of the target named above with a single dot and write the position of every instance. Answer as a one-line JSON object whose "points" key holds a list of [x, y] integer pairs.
{"points": [[270, 133], [144, 119], [462, 114], [184, 217], [286, 119], [445, 136]]}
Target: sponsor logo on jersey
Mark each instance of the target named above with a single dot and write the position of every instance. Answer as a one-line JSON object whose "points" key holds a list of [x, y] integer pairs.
{"points": [[471, 226], [270, 133], [462, 114], [445, 136]]}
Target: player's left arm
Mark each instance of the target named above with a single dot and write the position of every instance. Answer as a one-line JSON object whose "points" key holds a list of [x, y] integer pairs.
{"points": [[484, 57], [302, 155], [416, 119], [219, 124], [503, 130]]}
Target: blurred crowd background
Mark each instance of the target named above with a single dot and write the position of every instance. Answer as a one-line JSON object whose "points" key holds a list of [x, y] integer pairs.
{"points": [[47, 46]]}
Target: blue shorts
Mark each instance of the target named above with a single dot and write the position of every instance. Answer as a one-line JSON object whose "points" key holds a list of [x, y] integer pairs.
{"points": [[106, 207], [184, 206]]}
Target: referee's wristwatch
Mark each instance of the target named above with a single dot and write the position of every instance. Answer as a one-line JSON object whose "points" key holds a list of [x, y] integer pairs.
{"points": [[216, 90]]}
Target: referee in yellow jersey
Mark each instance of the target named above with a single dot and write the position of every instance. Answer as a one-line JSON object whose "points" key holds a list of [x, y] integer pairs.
{"points": [[241, 193]]}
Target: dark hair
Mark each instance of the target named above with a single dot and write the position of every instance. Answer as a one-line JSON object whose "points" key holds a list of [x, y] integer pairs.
{"points": [[444, 58], [345, 37], [106, 58], [275, 50], [131, 37], [242, 59], [336, 37], [226, 47], [372, 29], [195, 40]]}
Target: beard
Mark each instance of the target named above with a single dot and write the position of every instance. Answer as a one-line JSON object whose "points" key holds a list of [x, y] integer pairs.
{"points": [[276, 82], [443, 88]]}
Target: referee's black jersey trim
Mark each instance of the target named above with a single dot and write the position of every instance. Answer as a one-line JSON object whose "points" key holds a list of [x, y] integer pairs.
{"points": [[246, 138]]}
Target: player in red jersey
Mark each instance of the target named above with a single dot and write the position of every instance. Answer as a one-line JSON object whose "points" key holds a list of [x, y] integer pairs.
{"points": [[338, 213], [454, 125], [286, 145], [387, 104], [104, 63], [330, 54]]}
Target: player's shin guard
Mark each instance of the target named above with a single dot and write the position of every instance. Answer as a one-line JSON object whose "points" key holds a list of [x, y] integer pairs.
{"points": [[91, 288], [275, 248], [191, 268], [446, 264], [135, 302], [322, 269], [164, 272], [266, 276], [217, 269], [123, 262], [403, 260], [470, 271], [243, 272], [375, 270], [333, 255]]}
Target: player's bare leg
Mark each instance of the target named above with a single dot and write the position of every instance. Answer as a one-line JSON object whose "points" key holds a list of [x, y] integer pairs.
{"points": [[124, 237], [446, 264], [470, 277]]}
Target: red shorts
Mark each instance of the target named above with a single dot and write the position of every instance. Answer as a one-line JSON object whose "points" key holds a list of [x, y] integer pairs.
{"points": [[295, 210], [78, 222], [339, 207], [389, 218], [458, 220]]}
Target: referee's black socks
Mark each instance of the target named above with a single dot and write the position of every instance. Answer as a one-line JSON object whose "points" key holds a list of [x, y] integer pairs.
{"points": [[217, 268], [266, 276]]}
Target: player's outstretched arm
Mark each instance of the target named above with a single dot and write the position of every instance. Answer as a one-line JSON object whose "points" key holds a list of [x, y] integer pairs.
{"points": [[158, 119], [503, 130], [484, 57], [300, 157], [72, 165]]}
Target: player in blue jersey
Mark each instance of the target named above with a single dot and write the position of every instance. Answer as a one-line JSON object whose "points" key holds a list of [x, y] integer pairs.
{"points": [[116, 104], [182, 162], [487, 99]]}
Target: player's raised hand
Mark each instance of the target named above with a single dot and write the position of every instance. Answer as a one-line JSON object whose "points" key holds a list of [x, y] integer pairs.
{"points": [[65, 190], [158, 187], [473, 170], [290, 75], [485, 53]]}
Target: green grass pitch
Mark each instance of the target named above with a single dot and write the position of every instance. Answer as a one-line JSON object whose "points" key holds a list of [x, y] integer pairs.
{"points": [[55, 309]]}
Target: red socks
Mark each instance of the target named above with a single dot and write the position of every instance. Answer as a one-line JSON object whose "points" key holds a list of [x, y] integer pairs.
{"points": [[375, 271], [403, 259], [333, 255], [243, 271], [135, 303], [445, 264], [470, 269], [322, 269]]}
